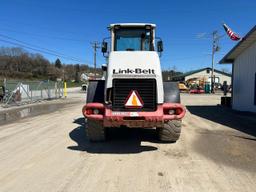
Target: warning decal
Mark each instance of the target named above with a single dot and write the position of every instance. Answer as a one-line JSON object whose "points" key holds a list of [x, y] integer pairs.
{"points": [[133, 100]]}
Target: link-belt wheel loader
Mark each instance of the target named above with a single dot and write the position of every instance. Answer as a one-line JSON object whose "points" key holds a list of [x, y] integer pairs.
{"points": [[133, 93]]}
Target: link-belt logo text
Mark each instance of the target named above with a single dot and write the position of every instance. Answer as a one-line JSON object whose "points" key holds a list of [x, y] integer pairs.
{"points": [[134, 71]]}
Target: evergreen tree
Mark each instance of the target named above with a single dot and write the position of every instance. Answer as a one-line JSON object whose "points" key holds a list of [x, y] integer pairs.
{"points": [[58, 63]]}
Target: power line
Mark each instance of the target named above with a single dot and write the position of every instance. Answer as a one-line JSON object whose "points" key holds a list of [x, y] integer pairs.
{"points": [[13, 24], [45, 50], [188, 58], [44, 36], [38, 50], [55, 52]]}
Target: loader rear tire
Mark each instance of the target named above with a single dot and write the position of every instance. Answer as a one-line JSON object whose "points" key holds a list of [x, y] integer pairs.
{"points": [[170, 132], [95, 131]]}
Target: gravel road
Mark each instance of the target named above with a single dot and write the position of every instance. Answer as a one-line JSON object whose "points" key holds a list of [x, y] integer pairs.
{"points": [[50, 152]]}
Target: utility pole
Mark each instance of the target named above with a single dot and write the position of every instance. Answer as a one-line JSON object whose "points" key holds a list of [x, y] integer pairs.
{"points": [[215, 48], [95, 46]]}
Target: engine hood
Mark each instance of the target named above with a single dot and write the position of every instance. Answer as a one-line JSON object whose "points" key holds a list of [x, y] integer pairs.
{"points": [[135, 64]]}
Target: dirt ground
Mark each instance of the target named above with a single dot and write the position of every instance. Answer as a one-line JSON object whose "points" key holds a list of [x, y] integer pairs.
{"points": [[50, 152]]}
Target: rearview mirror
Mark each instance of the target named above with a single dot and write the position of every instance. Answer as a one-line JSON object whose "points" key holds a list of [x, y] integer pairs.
{"points": [[104, 47], [104, 67], [160, 46]]}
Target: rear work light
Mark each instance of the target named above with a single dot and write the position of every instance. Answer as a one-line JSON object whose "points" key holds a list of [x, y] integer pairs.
{"points": [[176, 111], [171, 112], [173, 109], [93, 109], [96, 111]]}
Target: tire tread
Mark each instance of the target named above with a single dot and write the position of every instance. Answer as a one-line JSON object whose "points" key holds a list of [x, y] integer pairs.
{"points": [[170, 132], [95, 131]]}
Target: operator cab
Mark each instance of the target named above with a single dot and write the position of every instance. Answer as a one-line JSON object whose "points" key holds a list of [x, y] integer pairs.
{"points": [[132, 37]]}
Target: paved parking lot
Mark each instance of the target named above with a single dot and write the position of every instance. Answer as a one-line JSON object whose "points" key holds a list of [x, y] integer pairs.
{"points": [[50, 152]]}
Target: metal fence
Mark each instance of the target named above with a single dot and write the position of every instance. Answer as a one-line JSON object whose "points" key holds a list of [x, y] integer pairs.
{"points": [[21, 92]]}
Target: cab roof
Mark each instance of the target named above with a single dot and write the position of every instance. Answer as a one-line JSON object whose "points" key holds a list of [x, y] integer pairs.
{"points": [[131, 25]]}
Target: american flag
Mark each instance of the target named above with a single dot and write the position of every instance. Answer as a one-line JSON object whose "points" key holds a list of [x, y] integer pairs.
{"points": [[231, 34]]}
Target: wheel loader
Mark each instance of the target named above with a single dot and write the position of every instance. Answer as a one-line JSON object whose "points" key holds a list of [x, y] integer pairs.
{"points": [[133, 93]]}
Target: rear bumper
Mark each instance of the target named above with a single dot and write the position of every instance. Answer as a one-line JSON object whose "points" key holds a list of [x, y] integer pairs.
{"points": [[133, 119]]}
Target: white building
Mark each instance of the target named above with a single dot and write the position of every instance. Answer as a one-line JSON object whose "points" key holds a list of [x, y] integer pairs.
{"points": [[243, 59], [205, 74]]}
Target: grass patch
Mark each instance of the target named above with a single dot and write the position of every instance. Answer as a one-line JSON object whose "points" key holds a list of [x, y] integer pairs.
{"points": [[74, 84]]}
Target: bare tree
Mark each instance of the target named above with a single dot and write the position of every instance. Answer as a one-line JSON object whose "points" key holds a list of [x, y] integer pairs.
{"points": [[17, 63]]}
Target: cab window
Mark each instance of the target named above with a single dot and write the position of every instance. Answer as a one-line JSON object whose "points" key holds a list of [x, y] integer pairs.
{"points": [[130, 39]]}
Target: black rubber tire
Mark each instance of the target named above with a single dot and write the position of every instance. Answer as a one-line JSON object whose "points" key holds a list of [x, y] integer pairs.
{"points": [[95, 131], [95, 94], [95, 91], [170, 132]]}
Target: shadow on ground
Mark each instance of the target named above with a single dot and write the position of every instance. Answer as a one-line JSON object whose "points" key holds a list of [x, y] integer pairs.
{"points": [[119, 141], [226, 145], [241, 121]]}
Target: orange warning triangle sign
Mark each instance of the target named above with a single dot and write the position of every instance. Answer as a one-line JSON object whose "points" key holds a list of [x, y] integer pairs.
{"points": [[133, 100]]}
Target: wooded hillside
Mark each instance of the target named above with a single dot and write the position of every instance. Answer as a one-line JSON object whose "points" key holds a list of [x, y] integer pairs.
{"points": [[16, 63]]}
